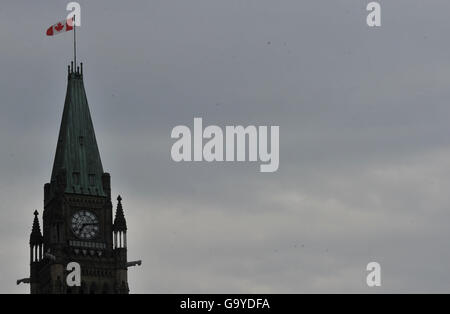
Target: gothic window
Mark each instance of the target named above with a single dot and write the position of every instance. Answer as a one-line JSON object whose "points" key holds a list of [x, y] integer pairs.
{"points": [[76, 178], [92, 179]]}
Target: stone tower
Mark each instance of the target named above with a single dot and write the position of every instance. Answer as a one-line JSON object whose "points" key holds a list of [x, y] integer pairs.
{"points": [[78, 221]]}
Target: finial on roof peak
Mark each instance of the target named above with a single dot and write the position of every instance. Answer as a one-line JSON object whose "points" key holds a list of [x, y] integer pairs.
{"points": [[75, 69]]}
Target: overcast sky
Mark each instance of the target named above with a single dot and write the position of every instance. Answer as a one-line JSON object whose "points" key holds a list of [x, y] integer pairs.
{"points": [[364, 139]]}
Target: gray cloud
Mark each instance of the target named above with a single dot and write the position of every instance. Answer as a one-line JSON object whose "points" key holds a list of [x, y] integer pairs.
{"points": [[363, 132]]}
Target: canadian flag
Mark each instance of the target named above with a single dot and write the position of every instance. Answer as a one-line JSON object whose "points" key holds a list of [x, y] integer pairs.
{"points": [[60, 27]]}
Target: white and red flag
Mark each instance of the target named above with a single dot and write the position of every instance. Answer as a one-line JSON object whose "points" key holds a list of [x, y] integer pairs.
{"points": [[60, 27]]}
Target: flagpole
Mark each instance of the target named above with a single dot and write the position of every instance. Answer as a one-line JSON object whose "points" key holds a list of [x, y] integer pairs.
{"points": [[74, 42]]}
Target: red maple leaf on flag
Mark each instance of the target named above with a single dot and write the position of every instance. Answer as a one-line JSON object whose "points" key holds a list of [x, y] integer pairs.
{"points": [[59, 27]]}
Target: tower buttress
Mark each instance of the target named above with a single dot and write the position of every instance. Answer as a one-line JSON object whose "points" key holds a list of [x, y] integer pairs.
{"points": [[36, 252], [120, 249]]}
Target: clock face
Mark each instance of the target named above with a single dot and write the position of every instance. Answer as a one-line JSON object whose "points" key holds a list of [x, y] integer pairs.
{"points": [[85, 225]]}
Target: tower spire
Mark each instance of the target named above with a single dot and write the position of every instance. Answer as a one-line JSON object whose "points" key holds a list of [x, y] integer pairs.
{"points": [[120, 224], [36, 241], [36, 235], [77, 166], [120, 227]]}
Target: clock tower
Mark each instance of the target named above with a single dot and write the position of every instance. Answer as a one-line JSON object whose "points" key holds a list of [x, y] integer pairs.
{"points": [[78, 223]]}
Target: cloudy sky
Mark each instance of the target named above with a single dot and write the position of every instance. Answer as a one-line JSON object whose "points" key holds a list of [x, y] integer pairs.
{"points": [[364, 148]]}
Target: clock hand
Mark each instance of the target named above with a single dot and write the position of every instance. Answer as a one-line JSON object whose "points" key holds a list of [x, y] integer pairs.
{"points": [[87, 224]]}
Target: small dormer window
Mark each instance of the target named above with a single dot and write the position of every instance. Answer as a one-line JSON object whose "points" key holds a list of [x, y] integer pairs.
{"points": [[80, 139], [92, 179], [76, 178]]}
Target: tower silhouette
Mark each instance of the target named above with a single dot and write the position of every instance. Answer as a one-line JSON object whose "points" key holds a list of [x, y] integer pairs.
{"points": [[78, 213]]}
